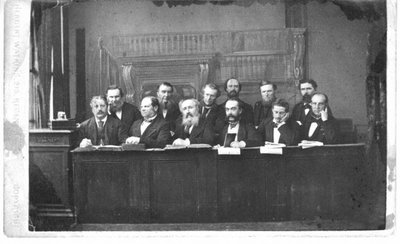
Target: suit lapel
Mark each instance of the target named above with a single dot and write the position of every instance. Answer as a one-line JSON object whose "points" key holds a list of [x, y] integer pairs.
{"points": [[93, 130], [269, 133], [242, 131], [148, 129]]}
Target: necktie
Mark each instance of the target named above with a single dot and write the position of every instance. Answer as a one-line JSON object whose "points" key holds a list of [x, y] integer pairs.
{"points": [[205, 111], [186, 131], [275, 124], [307, 106], [100, 131], [101, 126]]}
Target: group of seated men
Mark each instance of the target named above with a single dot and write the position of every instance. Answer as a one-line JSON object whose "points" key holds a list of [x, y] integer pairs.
{"points": [[161, 121]]}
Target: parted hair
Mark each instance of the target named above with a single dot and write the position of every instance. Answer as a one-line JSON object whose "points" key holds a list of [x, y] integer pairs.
{"points": [[196, 103], [99, 97], [311, 81], [266, 82], [165, 84], [281, 103], [232, 78], [212, 86], [240, 104], [113, 87]]}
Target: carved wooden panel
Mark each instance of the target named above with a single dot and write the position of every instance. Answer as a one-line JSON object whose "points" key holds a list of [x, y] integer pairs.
{"points": [[193, 59]]}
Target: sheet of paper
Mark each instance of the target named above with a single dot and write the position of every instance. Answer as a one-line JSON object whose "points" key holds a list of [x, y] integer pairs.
{"points": [[271, 150], [228, 151]]}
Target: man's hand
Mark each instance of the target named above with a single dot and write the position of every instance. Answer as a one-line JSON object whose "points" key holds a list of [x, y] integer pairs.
{"points": [[181, 142], [324, 114], [85, 142], [132, 140], [238, 144], [286, 117]]}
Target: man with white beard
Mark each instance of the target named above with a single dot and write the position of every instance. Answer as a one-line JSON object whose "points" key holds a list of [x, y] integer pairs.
{"points": [[191, 128]]}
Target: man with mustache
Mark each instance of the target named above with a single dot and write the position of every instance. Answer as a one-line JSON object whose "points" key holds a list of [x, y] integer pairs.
{"points": [[152, 130], [120, 109], [319, 124], [276, 130], [191, 128], [168, 109], [262, 108], [301, 109], [237, 132], [233, 87], [101, 129]]}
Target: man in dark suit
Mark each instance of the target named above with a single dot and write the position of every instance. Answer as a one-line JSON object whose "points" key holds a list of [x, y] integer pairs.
{"points": [[263, 108], [120, 109], [233, 87], [152, 130], [237, 132], [307, 88], [319, 124], [101, 129], [208, 107], [276, 130], [168, 109], [191, 128]]}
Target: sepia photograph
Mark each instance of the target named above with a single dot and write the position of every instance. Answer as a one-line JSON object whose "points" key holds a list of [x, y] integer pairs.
{"points": [[205, 116]]}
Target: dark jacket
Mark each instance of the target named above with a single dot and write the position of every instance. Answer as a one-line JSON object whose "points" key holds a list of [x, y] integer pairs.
{"points": [[202, 133], [156, 135], [299, 115], [172, 114], [246, 133], [326, 131], [261, 112], [289, 134], [130, 113], [114, 133], [211, 116]]}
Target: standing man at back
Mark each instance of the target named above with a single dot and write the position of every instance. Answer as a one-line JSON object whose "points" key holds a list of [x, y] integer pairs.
{"points": [[119, 109], [208, 106], [307, 88], [233, 88], [168, 110], [263, 108]]}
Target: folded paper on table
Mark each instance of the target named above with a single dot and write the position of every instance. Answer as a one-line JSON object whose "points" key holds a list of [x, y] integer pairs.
{"points": [[308, 144], [172, 147], [228, 151], [274, 145], [271, 150]]}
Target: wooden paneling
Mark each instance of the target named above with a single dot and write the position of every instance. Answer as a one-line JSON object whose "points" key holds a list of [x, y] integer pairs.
{"points": [[200, 186]]}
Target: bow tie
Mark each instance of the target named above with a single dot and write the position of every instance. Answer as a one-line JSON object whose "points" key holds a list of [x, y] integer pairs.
{"points": [[232, 125], [148, 120], [275, 125]]}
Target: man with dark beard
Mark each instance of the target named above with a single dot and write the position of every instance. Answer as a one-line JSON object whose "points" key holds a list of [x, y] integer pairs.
{"points": [[120, 109], [233, 87], [191, 128], [300, 110], [237, 132], [101, 129], [263, 108]]}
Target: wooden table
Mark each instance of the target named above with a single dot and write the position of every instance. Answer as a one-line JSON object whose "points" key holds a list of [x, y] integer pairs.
{"points": [[200, 186]]}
